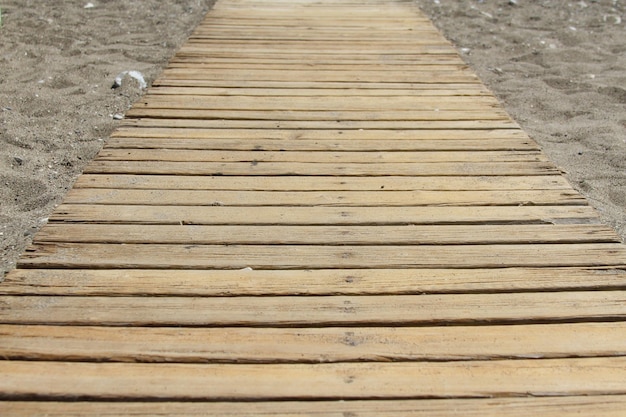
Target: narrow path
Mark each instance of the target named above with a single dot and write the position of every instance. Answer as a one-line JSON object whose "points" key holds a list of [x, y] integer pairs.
{"points": [[317, 201]]}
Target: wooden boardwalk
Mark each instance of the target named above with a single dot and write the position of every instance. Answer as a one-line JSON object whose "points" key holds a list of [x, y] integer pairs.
{"points": [[317, 209]]}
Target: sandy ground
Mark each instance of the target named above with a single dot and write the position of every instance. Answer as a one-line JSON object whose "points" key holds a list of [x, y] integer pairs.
{"points": [[558, 66], [58, 62]]}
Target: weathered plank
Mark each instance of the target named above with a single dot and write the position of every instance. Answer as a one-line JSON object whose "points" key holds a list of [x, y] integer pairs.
{"points": [[326, 198], [422, 77], [264, 144], [315, 311], [310, 345], [296, 134], [327, 115], [197, 155], [550, 377], [598, 406], [319, 125], [326, 235], [132, 214], [294, 183], [460, 90], [342, 103], [307, 282], [433, 60], [253, 168], [190, 256]]}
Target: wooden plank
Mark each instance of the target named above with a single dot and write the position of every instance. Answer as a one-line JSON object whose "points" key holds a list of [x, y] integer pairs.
{"points": [[349, 145], [255, 168], [440, 65], [422, 77], [269, 19], [328, 115], [330, 19], [462, 90], [295, 103], [550, 377], [427, 38], [294, 183], [306, 282], [168, 256], [354, 38], [313, 311], [310, 345], [433, 60], [284, 28], [297, 134], [321, 14], [327, 235], [598, 406], [306, 84], [388, 59], [197, 155], [324, 199], [85, 213], [320, 125], [413, 53]]}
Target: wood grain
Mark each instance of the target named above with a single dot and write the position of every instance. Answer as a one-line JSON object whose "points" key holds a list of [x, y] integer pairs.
{"points": [[317, 209], [600, 406], [550, 377]]}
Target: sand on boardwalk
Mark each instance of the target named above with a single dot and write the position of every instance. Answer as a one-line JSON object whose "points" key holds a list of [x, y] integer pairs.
{"points": [[558, 66]]}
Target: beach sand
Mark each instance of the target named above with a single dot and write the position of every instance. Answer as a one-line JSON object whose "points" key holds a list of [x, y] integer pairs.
{"points": [[559, 67]]}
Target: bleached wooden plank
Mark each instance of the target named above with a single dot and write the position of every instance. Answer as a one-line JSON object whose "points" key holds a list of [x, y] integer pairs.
{"points": [[255, 168], [315, 57], [433, 60], [599, 406], [343, 103], [306, 282], [320, 125], [325, 198], [130, 214], [299, 133], [295, 183], [360, 38], [314, 311], [348, 145], [327, 235], [462, 90], [316, 75], [379, 157], [310, 345], [306, 84], [168, 256], [329, 115], [548, 377]]}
